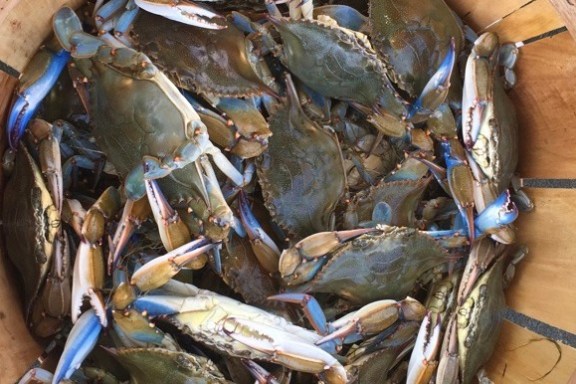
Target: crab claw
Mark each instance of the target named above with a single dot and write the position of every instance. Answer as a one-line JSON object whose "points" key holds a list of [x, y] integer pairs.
{"points": [[133, 214], [422, 366], [173, 232], [135, 330], [374, 318], [292, 353], [88, 277], [436, 89], [266, 251], [261, 375], [80, 342], [181, 11], [159, 271], [498, 214], [477, 108], [310, 250], [37, 80]]}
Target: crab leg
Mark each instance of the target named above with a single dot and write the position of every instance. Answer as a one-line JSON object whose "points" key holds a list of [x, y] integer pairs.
{"points": [[49, 152]]}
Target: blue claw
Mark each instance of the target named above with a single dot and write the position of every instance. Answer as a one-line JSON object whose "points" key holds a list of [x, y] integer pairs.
{"points": [[310, 306], [37, 80], [81, 341], [499, 213], [436, 89]]}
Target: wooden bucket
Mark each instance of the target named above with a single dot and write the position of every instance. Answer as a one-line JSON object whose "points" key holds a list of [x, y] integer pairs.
{"points": [[539, 338]]}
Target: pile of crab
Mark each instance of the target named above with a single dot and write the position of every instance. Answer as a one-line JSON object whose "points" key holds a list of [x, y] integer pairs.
{"points": [[273, 155]]}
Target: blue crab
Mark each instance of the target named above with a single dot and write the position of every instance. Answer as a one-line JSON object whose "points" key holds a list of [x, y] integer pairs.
{"points": [[303, 161], [166, 131], [413, 38], [364, 265]]}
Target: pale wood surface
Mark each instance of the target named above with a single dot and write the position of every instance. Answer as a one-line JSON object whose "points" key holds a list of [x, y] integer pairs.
{"points": [[544, 287], [20, 39], [17, 348], [532, 20], [523, 356], [545, 99], [567, 11], [478, 15]]}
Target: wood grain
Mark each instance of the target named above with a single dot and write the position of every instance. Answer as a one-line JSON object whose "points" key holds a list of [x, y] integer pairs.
{"points": [[567, 11], [544, 285], [522, 356], [478, 15], [532, 20], [544, 99], [24, 25]]}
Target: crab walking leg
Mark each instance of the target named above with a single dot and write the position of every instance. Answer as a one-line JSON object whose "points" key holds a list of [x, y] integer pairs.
{"points": [[368, 320], [48, 140]]}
